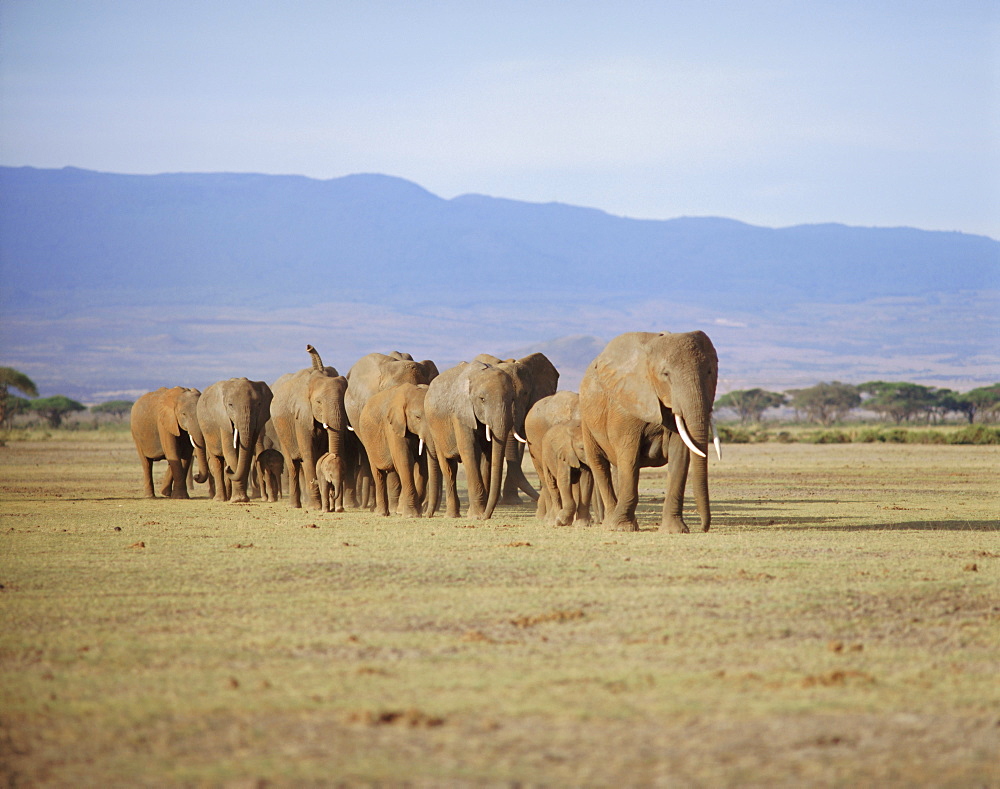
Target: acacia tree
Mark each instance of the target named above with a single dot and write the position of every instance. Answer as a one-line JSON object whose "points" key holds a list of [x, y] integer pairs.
{"points": [[11, 378], [825, 403], [985, 400], [899, 401], [53, 409], [117, 408], [750, 404]]}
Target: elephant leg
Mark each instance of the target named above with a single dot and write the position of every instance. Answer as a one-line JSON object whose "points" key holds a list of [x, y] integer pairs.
{"points": [[178, 473], [474, 461], [449, 473], [600, 467], [381, 493], [147, 476], [294, 481], [677, 470], [567, 504], [584, 489], [622, 516], [215, 467], [394, 488], [167, 483]]}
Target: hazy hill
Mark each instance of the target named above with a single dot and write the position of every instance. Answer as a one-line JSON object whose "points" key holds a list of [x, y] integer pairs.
{"points": [[214, 273]]}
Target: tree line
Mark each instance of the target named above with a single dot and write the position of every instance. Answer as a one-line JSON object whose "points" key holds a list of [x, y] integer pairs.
{"points": [[898, 402], [824, 404]]}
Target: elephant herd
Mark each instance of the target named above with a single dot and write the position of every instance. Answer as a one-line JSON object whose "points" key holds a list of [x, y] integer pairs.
{"points": [[390, 434]]}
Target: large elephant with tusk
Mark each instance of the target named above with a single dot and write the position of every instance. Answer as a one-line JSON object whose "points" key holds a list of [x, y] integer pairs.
{"points": [[470, 411], [232, 415], [645, 400], [165, 426]]}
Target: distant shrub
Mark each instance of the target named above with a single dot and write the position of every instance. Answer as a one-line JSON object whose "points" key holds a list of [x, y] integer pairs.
{"points": [[829, 437], [975, 434], [784, 437], [734, 435]]}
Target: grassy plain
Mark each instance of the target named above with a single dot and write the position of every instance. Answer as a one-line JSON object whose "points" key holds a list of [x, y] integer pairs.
{"points": [[840, 625]]}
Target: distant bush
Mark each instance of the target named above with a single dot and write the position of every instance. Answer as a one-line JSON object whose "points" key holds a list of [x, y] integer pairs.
{"points": [[975, 434], [828, 437]]}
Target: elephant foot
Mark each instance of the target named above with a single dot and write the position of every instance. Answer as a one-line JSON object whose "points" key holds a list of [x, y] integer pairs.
{"points": [[622, 524], [511, 500], [584, 523], [676, 525]]}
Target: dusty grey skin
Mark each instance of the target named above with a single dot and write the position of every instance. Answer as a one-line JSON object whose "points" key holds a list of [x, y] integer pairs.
{"points": [[555, 442], [638, 400], [164, 426], [309, 419], [534, 377], [373, 373], [232, 415], [470, 410], [397, 438], [330, 482], [270, 465]]}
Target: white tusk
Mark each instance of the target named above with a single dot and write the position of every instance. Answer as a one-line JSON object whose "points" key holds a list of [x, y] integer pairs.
{"points": [[325, 426], [350, 428], [716, 441], [687, 438], [519, 438], [236, 436], [420, 447], [488, 439], [192, 441]]}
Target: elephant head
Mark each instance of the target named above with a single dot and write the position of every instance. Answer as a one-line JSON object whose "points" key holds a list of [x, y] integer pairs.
{"points": [[248, 406], [489, 411]]}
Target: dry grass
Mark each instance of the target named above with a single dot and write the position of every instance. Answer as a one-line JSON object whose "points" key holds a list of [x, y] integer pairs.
{"points": [[839, 625]]}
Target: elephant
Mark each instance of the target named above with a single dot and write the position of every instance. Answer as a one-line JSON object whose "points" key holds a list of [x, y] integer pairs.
{"points": [[394, 432], [165, 426], [647, 398], [270, 465], [372, 374], [555, 442], [534, 377], [330, 482], [232, 415], [309, 419], [470, 411]]}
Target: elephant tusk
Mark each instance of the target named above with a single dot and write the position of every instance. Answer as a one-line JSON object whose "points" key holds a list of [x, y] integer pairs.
{"points": [[488, 439], [350, 428], [192, 441], [519, 438], [420, 447], [236, 436], [325, 426], [716, 441], [686, 438]]}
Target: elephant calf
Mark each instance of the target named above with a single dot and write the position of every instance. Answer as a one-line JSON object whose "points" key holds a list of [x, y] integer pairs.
{"points": [[270, 465], [330, 481]]}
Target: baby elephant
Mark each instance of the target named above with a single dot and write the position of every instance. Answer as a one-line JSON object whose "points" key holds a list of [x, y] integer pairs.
{"points": [[329, 477], [270, 465]]}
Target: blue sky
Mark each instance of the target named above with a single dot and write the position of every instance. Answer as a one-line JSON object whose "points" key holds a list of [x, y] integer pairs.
{"points": [[775, 113]]}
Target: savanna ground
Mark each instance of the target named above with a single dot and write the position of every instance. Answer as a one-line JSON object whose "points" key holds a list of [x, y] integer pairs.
{"points": [[839, 626]]}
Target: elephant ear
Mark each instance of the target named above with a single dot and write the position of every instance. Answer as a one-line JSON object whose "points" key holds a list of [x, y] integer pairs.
{"points": [[565, 451], [463, 403], [542, 373], [167, 419], [622, 369], [396, 417]]}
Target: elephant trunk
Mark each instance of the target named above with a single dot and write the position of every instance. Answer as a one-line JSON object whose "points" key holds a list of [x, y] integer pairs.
{"points": [[699, 430], [244, 438], [496, 472]]}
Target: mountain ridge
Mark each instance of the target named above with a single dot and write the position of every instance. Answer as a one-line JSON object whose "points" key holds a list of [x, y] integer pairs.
{"points": [[94, 260]]}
